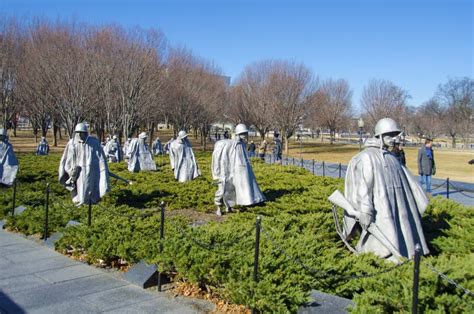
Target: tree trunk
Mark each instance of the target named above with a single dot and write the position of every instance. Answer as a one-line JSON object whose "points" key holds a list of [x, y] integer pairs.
{"points": [[287, 149], [55, 135], [453, 141]]}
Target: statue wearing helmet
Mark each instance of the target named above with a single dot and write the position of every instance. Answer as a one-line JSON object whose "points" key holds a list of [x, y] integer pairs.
{"points": [[157, 147], [113, 151], [83, 168], [140, 157], [182, 160], [8, 161], [387, 201], [233, 172], [43, 147]]}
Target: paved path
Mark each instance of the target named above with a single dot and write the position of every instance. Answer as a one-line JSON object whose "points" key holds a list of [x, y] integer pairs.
{"points": [[461, 192], [36, 279]]}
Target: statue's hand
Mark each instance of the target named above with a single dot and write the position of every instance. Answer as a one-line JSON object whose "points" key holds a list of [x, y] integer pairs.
{"points": [[365, 220]]}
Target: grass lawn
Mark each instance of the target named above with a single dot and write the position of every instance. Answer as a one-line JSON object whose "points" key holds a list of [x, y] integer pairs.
{"points": [[449, 163]]}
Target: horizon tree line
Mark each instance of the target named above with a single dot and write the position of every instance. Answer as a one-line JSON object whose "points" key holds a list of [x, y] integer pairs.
{"points": [[127, 80]]}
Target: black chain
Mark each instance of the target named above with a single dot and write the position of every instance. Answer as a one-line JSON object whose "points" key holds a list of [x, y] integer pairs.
{"points": [[445, 277], [325, 275], [457, 189], [334, 171], [441, 185]]}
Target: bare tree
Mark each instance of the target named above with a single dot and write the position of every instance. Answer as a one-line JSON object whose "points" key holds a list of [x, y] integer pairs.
{"points": [[251, 97], [291, 86], [332, 105], [457, 100], [381, 99], [10, 54]]}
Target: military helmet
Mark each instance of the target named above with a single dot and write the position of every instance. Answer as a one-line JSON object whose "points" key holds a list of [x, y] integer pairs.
{"points": [[182, 134], [241, 129], [81, 128], [386, 125], [142, 135]]}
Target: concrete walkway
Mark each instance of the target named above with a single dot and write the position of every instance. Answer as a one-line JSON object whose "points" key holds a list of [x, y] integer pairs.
{"points": [[36, 279]]}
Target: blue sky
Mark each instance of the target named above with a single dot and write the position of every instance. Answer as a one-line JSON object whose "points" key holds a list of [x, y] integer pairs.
{"points": [[417, 44]]}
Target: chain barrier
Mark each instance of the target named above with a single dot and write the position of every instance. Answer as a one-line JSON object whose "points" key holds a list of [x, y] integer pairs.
{"points": [[445, 277], [335, 170], [440, 185], [463, 192], [325, 275], [213, 246]]}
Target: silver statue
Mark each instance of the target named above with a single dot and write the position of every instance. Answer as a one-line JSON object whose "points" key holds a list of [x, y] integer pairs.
{"points": [[43, 147], [125, 149], [113, 151], [183, 162], [140, 157], [8, 161], [382, 200], [83, 168], [234, 174], [157, 147]]}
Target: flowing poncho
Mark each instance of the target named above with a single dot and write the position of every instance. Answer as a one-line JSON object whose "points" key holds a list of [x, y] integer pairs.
{"points": [[377, 184], [232, 169], [8, 163], [83, 170], [182, 161]]}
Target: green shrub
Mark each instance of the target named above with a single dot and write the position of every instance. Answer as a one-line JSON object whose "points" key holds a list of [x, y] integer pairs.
{"points": [[297, 216]]}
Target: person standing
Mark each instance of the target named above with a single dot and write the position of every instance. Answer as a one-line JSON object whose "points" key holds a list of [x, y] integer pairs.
{"points": [[277, 148], [426, 164], [252, 149], [262, 149], [398, 151]]}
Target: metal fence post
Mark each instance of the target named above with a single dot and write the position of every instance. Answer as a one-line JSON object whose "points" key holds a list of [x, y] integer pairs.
{"points": [[14, 198], [447, 188], [324, 169], [89, 213], [416, 276], [162, 232], [255, 262], [46, 213], [313, 166], [340, 170]]}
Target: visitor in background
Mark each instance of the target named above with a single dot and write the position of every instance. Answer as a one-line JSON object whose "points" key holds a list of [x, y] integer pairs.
{"points": [[426, 164], [262, 149], [252, 149], [398, 151], [277, 148]]}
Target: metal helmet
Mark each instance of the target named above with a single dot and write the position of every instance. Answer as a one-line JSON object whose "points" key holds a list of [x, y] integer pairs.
{"points": [[114, 137], [142, 135], [241, 129], [386, 125], [182, 134], [81, 128], [3, 132]]}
